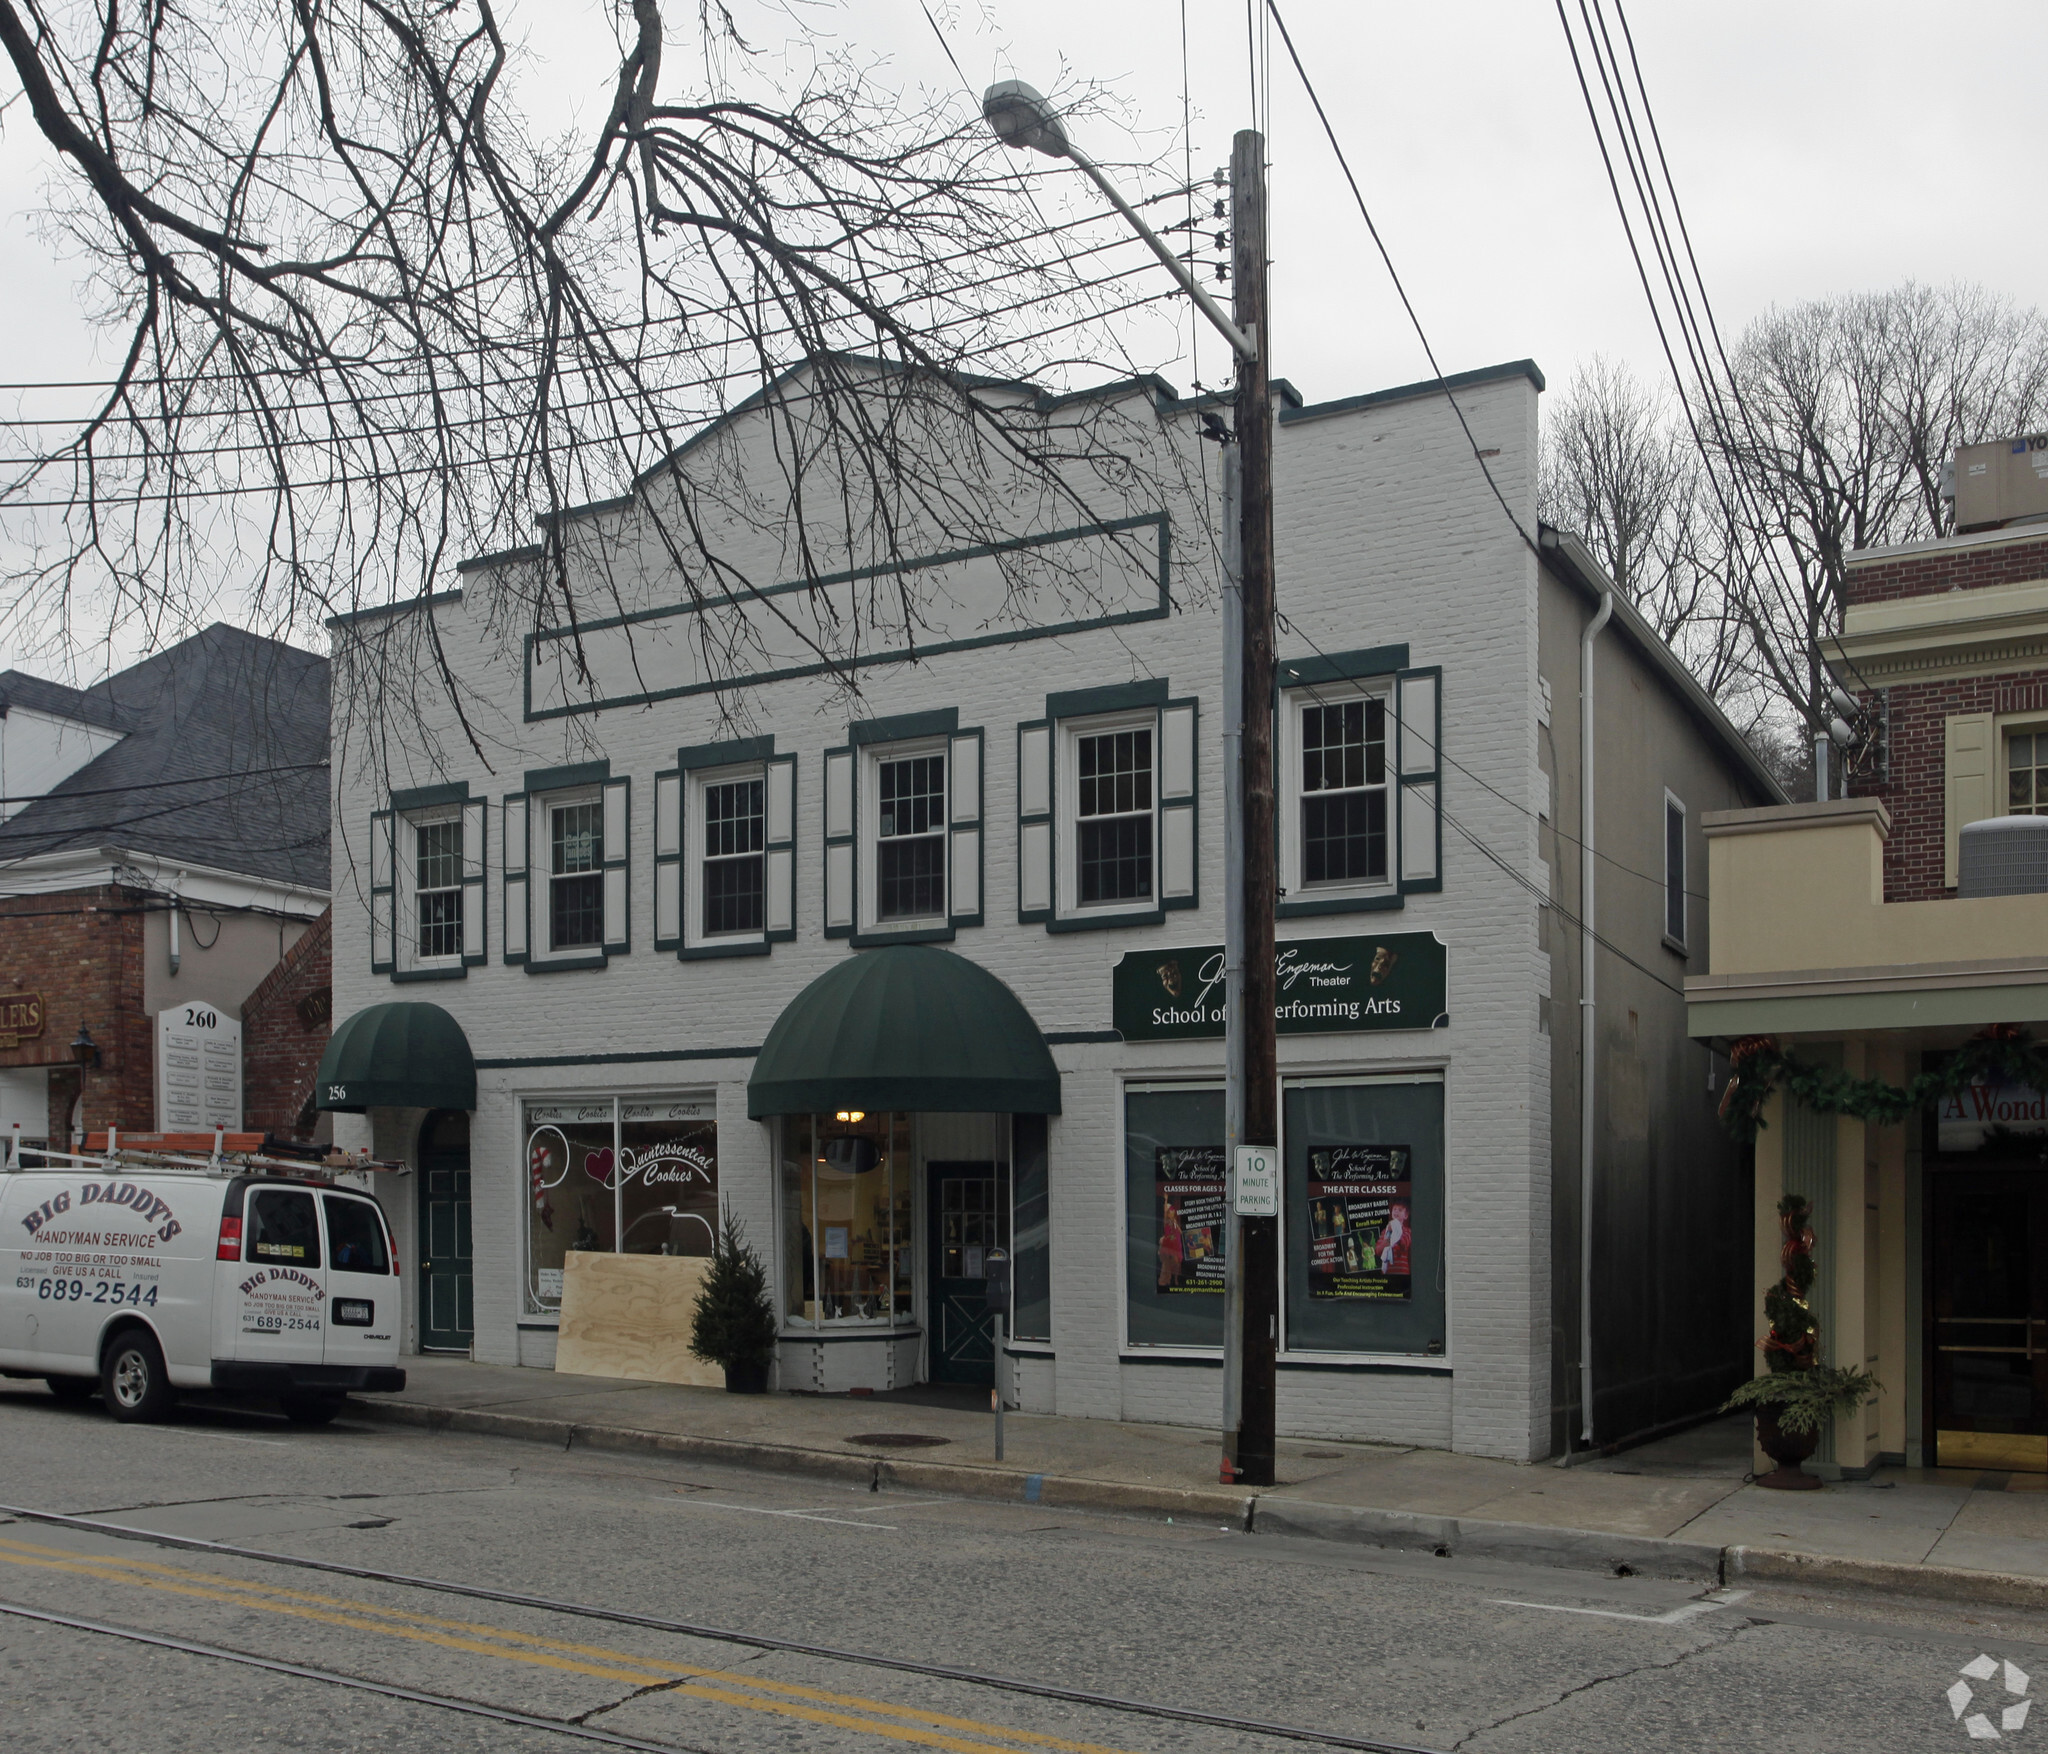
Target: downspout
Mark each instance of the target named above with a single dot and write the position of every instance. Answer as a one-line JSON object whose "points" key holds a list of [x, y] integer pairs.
{"points": [[175, 957], [1586, 1015]]}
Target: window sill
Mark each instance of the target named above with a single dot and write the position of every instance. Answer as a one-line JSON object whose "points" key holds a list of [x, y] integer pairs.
{"points": [[841, 1331], [874, 937], [1677, 947], [712, 952], [566, 964], [1207, 1357], [430, 974], [1106, 921], [1368, 1363], [1306, 906]]}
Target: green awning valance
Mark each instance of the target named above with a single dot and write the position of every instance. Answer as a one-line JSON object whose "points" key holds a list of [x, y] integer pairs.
{"points": [[909, 1026], [402, 1055]]}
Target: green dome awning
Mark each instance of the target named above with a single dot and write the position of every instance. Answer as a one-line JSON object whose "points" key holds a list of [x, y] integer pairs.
{"points": [[905, 1027], [401, 1055]]}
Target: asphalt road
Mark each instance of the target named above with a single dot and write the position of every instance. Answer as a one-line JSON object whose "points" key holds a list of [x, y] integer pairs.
{"points": [[1431, 1654]]}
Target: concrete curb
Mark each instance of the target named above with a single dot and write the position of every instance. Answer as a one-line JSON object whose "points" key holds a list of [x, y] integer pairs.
{"points": [[1947, 1583], [1395, 1530], [1517, 1543]]}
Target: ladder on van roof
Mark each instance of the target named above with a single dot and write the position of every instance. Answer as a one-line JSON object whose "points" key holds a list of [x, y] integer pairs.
{"points": [[218, 1153]]}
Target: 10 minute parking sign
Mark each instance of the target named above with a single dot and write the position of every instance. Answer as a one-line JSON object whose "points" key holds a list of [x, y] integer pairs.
{"points": [[1256, 1182]]}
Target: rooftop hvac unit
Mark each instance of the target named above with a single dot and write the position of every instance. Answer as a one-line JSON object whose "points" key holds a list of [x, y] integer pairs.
{"points": [[2001, 483], [2003, 855]]}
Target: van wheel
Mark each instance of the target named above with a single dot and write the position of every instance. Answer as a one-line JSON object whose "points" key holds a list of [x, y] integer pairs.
{"points": [[72, 1390], [133, 1381], [311, 1410]]}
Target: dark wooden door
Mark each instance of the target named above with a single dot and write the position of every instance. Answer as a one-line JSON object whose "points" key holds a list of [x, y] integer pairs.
{"points": [[968, 1209], [1989, 1317], [447, 1318]]}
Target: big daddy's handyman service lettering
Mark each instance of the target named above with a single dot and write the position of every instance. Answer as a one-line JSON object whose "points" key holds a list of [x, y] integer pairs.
{"points": [[280, 1300], [113, 1200]]}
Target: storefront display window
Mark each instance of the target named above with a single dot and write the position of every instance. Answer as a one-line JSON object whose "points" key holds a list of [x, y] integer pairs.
{"points": [[1175, 1200], [1364, 1205], [634, 1175], [847, 1238]]}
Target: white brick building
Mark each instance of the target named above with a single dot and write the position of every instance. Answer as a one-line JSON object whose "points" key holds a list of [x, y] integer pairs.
{"points": [[683, 843]]}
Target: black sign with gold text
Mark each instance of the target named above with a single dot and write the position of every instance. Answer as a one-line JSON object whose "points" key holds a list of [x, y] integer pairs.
{"points": [[21, 1018], [1323, 986]]}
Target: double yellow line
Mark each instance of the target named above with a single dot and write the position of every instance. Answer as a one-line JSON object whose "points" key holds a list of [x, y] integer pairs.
{"points": [[876, 1717]]}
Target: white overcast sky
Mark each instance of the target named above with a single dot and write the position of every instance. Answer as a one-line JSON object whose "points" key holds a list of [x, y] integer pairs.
{"points": [[1820, 147]]}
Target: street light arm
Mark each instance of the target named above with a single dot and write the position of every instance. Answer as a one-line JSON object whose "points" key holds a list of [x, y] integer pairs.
{"points": [[1230, 332]]}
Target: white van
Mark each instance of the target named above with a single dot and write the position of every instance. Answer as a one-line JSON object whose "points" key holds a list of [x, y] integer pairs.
{"points": [[140, 1281]]}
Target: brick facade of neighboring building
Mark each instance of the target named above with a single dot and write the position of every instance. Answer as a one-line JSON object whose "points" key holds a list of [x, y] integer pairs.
{"points": [[81, 952], [1915, 789], [285, 1023]]}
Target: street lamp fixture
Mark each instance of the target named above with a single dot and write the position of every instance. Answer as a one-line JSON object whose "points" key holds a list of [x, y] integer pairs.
{"points": [[84, 1049], [851, 1114]]}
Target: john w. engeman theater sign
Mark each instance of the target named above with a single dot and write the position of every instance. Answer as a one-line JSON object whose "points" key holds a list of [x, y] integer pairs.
{"points": [[1323, 986]]}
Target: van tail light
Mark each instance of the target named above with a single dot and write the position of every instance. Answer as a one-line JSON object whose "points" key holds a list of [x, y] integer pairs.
{"points": [[230, 1246]]}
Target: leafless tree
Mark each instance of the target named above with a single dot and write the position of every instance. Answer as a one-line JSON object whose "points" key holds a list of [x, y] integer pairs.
{"points": [[371, 323], [1730, 517]]}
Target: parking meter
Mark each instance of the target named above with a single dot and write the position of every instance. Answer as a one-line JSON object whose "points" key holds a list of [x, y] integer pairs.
{"points": [[997, 1268]]}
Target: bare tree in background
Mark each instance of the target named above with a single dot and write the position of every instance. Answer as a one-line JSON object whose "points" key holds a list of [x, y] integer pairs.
{"points": [[372, 324], [1828, 434]]}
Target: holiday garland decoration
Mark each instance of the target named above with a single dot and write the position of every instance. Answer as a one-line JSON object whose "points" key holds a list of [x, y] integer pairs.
{"points": [[1797, 1391], [1759, 1065], [1794, 1340]]}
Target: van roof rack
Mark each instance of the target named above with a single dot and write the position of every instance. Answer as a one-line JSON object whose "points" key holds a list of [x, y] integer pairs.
{"points": [[218, 1153]]}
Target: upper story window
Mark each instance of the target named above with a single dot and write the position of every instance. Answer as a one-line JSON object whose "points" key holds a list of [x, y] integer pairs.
{"points": [[1674, 872], [2026, 773], [437, 887], [734, 888], [575, 874], [1344, 791], [910, 836], [1113, 823], [1337, 806]]}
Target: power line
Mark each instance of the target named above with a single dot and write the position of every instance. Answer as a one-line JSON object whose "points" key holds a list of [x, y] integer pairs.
{"points": [[197, 779], [1429, 352]]}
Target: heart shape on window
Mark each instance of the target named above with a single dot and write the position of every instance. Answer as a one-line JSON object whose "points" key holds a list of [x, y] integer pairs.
{"points": [[598, 1165]]}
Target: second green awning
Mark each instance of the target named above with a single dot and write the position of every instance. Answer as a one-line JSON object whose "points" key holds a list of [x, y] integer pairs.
{"points": [[400, 1055]]}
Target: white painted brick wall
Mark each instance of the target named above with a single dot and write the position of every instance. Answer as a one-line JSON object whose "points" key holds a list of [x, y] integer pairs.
{"points": [[1387, 532]]}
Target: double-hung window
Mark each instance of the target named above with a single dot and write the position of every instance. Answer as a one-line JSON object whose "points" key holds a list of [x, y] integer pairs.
{"points": [[2026, 773], [1674, 873], [437, 887], [1344, 817], [1114, 799], [734, 890], [575, 851], [910, 836]]}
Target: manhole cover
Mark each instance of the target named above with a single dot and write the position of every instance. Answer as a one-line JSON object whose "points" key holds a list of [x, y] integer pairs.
{"points": [[1324, 1455], [898, 1440]]}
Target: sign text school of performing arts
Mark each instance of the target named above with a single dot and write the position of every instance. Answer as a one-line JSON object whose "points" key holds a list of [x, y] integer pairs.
{"points": [[1323, 986]]}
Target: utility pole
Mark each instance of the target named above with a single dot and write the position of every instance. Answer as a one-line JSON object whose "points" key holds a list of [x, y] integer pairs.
{"points": [[1251, 1010]]}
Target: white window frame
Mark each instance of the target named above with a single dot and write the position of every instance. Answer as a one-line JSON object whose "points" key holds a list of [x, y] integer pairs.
{"points": [[541, 815], [1067, 797], [873, 756], [407, 874], [1680, 939], [1290, 795], [695, 831]]}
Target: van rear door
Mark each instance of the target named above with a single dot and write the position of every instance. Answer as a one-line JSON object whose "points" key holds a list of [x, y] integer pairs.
{"points": [[280, 1298], [362, 1291]]}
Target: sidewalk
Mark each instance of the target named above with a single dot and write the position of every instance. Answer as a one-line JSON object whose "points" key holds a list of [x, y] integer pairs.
{"points": [[1677, 1508]]}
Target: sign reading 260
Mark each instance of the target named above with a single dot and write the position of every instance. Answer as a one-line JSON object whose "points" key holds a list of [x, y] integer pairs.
{"points": [[201, 1017]]}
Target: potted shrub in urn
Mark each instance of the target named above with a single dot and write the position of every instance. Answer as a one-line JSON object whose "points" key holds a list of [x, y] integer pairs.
{"points": [[734, 1324], [1797, 1397]]}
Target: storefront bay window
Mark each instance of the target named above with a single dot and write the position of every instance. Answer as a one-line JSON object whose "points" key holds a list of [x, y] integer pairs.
{"points": [[1175, 1200], [616, 1175]]}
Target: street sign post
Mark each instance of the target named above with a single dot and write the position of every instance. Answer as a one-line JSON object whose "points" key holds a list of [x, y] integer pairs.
{"points": [[1255, 1182]]}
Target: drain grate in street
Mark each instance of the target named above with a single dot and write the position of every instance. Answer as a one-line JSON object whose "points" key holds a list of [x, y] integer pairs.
{"points": [[898, 1440]]}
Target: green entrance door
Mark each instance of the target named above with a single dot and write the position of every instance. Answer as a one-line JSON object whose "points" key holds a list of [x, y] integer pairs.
{"points": [[969, 1208], [447, 1319]]}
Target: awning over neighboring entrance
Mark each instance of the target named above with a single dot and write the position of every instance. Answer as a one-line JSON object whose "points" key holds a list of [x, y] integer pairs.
{"points": [[905, 1027], [402, 1055]]}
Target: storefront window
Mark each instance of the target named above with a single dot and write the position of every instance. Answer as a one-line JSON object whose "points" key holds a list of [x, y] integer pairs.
{"points": [[847, 1218], [1174, 1214], [1364, 1206], [638, 1176]]}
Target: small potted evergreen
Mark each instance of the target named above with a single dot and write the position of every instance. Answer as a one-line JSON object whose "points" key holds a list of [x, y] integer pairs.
{"points": [[734, 1324], [1797, 1397]]}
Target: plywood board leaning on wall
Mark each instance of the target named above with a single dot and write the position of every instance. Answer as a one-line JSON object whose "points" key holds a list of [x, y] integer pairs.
{"points": [[629, 1316]]}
